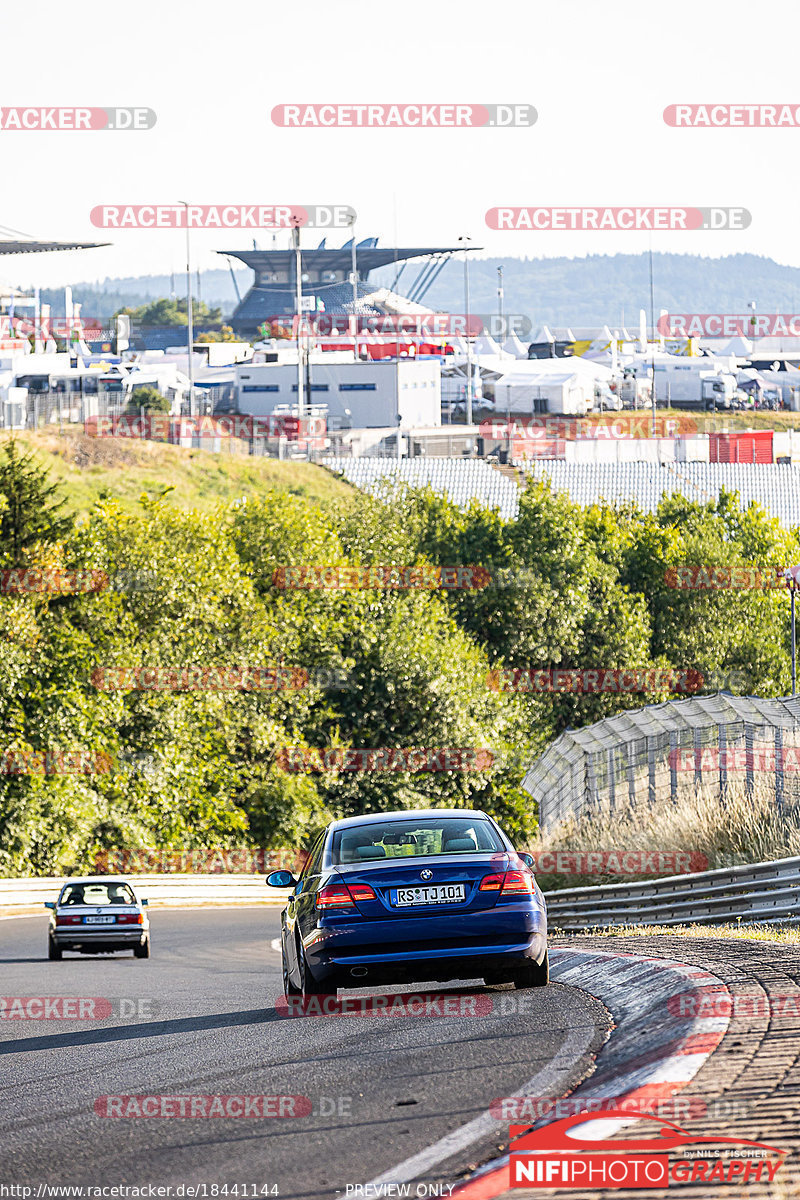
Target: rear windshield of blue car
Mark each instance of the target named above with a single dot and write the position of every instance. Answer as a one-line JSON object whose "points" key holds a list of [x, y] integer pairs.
{"points": [[411, 838]]}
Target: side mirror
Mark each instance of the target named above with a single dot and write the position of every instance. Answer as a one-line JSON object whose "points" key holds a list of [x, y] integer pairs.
{"points": [[281, 879], [528, 859], [49, 904], [145, 903]]}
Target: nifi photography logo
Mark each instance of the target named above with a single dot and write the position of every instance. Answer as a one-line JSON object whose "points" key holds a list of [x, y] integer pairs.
{"points": [[562, 1155]]}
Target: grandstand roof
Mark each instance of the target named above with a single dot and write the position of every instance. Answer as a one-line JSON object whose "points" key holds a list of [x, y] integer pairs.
{"points": [[31, 247], [368, 259]]}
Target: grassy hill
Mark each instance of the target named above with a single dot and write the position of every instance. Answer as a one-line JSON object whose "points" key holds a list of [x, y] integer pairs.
{"points": [[127, 467]]}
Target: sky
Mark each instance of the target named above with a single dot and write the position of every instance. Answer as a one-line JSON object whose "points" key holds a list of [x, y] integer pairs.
{"points": [[599, 77]]}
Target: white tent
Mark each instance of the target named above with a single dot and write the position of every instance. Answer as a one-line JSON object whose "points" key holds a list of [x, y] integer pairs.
{"points": [[556, 392], [512, 345], [742, 347], [552, 385], [485, 344]]}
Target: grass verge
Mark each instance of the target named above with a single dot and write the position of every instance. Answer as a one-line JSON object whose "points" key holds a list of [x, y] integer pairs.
{"points": [[199, 479], [743, 931]]}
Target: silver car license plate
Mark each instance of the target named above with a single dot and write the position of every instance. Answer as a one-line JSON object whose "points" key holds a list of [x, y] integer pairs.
{"points": [[99, 920]]}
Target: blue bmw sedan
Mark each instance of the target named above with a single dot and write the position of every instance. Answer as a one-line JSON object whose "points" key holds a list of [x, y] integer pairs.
{"points": [[407, 897]]}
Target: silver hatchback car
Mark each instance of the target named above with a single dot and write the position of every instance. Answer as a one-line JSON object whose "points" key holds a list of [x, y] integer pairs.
{"points": [[98, 915]]}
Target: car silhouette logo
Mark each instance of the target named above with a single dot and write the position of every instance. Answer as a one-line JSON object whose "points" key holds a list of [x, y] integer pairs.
{"points": [[426, 874]]}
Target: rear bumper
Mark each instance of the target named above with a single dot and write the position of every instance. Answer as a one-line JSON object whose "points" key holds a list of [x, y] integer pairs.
{"points": [[493, 941], [99, 939]]}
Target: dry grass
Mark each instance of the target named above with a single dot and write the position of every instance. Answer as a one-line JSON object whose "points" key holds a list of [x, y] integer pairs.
{"points": [[126, 467], [743, 931], [731, 422], [745, 829]]}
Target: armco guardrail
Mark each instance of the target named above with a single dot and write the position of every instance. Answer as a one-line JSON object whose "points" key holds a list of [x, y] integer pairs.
{"points": [[177, 890], [767, 893]]}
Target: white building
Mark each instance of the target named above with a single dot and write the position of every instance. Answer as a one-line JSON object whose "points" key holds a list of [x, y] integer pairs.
{"points": [[356, 395]]}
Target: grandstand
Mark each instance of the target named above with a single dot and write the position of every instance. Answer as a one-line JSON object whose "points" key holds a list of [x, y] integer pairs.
{"points": [[461, 479], [775, 487], [326, 281]]}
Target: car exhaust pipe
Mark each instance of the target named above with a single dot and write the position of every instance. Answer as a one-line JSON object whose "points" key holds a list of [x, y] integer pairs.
{"points": [[359, 972]]}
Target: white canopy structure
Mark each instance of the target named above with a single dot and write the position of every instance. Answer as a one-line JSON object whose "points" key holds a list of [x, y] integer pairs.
{"points": [[550, 385], [512, 345], [485, 344]]}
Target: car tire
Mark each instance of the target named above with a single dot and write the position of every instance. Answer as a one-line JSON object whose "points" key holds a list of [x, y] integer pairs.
{"points": [[533, 974], [289, 988], [143, 950], [54, 952], [308, 984]]}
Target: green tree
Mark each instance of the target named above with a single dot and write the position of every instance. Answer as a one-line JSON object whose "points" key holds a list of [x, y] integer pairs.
{"points": [[148, 398], [225, 334], [172, 312], [30, 514]]}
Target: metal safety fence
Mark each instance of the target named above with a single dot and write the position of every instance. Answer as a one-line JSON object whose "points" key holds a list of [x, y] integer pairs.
{"points": [[645, 755], [766, 893]]}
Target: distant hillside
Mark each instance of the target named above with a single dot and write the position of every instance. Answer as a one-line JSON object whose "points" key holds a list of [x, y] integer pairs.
{"points": [[598, 289], [556, 291]]}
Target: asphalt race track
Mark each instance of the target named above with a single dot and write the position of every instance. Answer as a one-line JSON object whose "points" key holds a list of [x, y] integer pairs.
{"points": [[379, 1089]]}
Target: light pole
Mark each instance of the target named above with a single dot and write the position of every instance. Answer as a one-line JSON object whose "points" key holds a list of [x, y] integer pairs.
{"points": [[466, 239], [354, 281], [792, 576], [298, 303], [189, 312], [653, 400], [501, 330]]}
